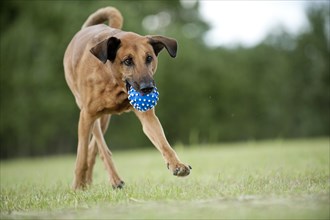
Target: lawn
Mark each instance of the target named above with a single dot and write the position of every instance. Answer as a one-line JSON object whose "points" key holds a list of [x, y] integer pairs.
{"points": [[280, 179]]}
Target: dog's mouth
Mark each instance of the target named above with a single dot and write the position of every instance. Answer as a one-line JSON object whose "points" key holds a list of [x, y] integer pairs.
{"points": [[128, 86], [143, 88]]}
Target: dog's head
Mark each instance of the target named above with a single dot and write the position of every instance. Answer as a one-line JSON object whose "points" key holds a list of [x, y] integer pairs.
{"points": [[134, 57]]}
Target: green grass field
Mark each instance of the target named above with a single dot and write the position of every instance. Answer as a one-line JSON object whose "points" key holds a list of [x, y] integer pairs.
{"points": [[249, 180]]}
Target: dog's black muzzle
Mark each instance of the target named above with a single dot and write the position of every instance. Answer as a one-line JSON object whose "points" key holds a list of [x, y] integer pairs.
{"points": [[147, 88], [144, 87]]}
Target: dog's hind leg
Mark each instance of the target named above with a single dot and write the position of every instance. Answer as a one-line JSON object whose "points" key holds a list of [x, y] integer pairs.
{"points": [[106, 155], [93, 150]]}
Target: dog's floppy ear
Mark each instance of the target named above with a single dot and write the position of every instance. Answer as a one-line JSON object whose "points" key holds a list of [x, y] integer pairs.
{"points": [[106, 50], [159, 42]]}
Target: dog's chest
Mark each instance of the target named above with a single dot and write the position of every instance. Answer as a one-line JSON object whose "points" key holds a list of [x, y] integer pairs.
{"points": [[109, 98]]}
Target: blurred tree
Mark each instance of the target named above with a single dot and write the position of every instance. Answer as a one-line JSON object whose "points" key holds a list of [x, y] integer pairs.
{"points": [[311, 76]]}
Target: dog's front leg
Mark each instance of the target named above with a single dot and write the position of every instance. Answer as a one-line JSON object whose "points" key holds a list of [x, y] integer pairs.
{"points": [[153, 129], [85, 125]]}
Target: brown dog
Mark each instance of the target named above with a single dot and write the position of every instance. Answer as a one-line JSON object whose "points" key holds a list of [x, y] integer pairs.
{"points": [[100, 63]]}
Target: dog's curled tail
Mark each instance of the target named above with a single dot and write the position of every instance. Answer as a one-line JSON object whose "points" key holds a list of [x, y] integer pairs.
{"points": [[110, 14]]}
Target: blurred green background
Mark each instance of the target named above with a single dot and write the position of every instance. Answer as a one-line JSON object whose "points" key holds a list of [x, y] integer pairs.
{"points": [[276, 89]]}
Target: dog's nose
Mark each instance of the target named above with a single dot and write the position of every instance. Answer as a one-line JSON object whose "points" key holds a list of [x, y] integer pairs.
{"points": [[147, 88]]}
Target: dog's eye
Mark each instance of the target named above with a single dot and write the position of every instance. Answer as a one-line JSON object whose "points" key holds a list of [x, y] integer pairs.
{"points": [[149, 59], [128, 62]]}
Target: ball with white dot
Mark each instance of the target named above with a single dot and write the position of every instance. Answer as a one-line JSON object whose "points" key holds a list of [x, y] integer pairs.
{"points": [[143, 102]]}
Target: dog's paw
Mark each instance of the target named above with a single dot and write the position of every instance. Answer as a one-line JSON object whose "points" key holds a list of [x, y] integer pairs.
{"points": [[119, 185], [79, 185], [179, 169]]}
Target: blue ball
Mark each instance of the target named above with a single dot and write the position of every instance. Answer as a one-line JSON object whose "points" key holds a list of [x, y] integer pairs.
{"points": [[143, 102]]}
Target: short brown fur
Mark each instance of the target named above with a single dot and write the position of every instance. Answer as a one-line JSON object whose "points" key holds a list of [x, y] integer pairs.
{"points": [[97, 74]]}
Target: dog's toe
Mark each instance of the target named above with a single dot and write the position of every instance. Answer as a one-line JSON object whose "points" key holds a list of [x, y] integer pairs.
{"points": [[182, 171], [176, 171]]}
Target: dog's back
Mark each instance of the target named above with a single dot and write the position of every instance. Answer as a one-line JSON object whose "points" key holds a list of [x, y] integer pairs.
{"points": [[92, 32]]}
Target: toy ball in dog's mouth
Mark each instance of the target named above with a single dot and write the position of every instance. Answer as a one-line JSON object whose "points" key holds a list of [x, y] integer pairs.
{"points": [[143, 102]]}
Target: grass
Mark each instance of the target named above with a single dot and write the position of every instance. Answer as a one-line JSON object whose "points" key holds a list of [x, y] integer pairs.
{"points": [[251, 180]]}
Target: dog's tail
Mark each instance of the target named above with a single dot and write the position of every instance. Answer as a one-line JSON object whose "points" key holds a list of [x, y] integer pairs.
{"points": [[110, 14]]}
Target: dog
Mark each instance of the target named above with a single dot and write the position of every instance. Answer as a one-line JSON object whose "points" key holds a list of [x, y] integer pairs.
{"points": [[101, 63]]}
